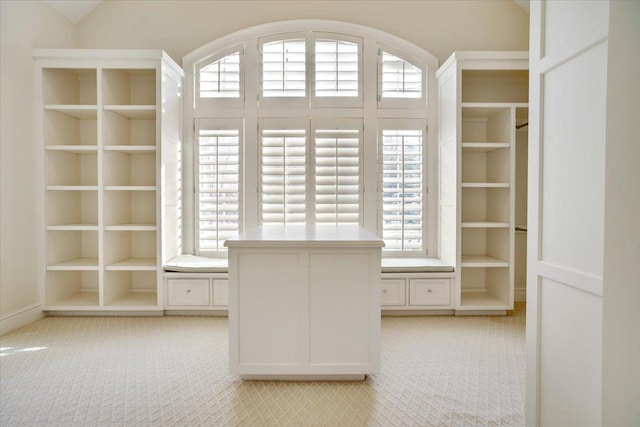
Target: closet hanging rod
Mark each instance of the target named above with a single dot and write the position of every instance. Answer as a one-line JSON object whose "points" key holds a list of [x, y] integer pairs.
{"points": [[522, 125]]}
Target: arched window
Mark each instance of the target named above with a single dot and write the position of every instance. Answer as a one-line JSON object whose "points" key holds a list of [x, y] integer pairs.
{"points": [[309, 122]]}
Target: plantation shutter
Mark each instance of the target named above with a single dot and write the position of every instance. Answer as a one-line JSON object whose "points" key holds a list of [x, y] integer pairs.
{"points": [[221, 79], [338, 171], [218, 185], [402, 187], [284, 68], [400, 79], [283, 172], [336, 68]]}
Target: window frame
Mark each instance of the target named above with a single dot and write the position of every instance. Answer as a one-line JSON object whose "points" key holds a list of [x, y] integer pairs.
{"points": [[370, 112], [282, 101], [338, 101], [399, 102], [217, 124], [297, 123], [222, 102], [405, 124]]}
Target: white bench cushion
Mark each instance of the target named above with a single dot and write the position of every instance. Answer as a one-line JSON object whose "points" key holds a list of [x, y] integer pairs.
{"points": [[196, 264], [415, 265]]}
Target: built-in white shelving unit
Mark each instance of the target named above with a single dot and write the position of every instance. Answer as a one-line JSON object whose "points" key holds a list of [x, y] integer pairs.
{"points": [[481, 95], [110, 123]]}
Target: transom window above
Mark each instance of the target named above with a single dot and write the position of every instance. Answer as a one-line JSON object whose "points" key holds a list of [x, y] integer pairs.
{"points": [[399, 78], [336, 63], [284, 68], [326, 124], [221, 79]]}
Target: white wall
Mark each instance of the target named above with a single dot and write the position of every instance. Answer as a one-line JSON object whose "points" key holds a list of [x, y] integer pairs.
{"points": [[179, 27], [24, 25]]}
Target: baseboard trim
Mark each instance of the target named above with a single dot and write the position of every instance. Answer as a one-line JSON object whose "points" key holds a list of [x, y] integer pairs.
{"points": [[20, 318], [520, 295]]}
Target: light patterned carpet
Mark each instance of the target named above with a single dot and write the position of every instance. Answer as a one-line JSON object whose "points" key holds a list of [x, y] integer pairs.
{"points": [[95, 371]]}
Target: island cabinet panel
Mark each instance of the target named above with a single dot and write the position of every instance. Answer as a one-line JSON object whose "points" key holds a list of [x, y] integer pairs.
{"points": [[304, 303]]}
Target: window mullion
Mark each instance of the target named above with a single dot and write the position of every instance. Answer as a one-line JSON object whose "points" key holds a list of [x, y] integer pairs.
{"points": [[402, 213], [310, 173]]}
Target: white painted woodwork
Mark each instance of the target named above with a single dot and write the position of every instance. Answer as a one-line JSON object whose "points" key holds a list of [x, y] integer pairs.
{"points": [[481, 94], [220, 293], [568, 117], [429, 292], [254, 109], [209, 293], [187, 292], [304, 301], [109, 128], [393, 292]]}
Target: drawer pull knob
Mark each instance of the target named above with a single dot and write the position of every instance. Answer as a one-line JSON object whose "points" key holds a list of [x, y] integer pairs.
{"points": [[429, 290], [384, 291], [189, 291]]}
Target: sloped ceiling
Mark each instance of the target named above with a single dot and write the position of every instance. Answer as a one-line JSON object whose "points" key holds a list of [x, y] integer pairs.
{"points": [[76, 10]]}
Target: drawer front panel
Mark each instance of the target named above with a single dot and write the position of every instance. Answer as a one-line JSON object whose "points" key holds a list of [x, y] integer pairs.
{"points": [[220, 293], [188, 292], [429, 292], [393, 292]]}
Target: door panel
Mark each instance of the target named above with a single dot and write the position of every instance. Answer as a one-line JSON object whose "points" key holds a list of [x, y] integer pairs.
{"points": [[567, 117]]}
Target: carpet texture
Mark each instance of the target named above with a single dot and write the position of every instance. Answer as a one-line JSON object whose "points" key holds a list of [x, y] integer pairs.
{"points": [[156, 371]]}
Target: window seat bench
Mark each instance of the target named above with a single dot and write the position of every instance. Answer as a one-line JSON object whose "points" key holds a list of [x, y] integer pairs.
{"points": [[197, 264], [409, 286]]}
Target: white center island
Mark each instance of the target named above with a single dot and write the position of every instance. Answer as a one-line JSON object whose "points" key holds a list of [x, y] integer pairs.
{"points": [[304, 303]]}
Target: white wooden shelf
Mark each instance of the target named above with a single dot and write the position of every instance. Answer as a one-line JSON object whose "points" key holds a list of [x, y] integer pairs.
{"points": [[484, 146], [481, 300], [485, 224], [73, 227], [131, 227], [491, 105], [134, 264], [77, 149], [134, 112], [485, 185], [131, 148], [72, 188], [483, 261], [130, 188], [76, 264], [77, 111], [85, 298], [136, 299]]}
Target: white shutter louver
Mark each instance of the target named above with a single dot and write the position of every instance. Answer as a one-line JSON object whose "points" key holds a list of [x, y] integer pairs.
{"points": [[336, 64], [219, 188], [402, 199], [283, 176], [337, 176], [221, 79], [400, 79], [284, 68]]}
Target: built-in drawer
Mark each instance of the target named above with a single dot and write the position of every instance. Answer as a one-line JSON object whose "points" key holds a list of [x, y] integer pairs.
{"points": [[188, 292], [393, 292], [429, 292], [220, 293]]}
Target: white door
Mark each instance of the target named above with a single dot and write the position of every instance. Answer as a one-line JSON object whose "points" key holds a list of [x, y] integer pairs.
{"points": [[568, 103]]}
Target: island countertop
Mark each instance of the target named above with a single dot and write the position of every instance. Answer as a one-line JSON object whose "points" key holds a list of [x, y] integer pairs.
{"points": [[309, 235]]}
